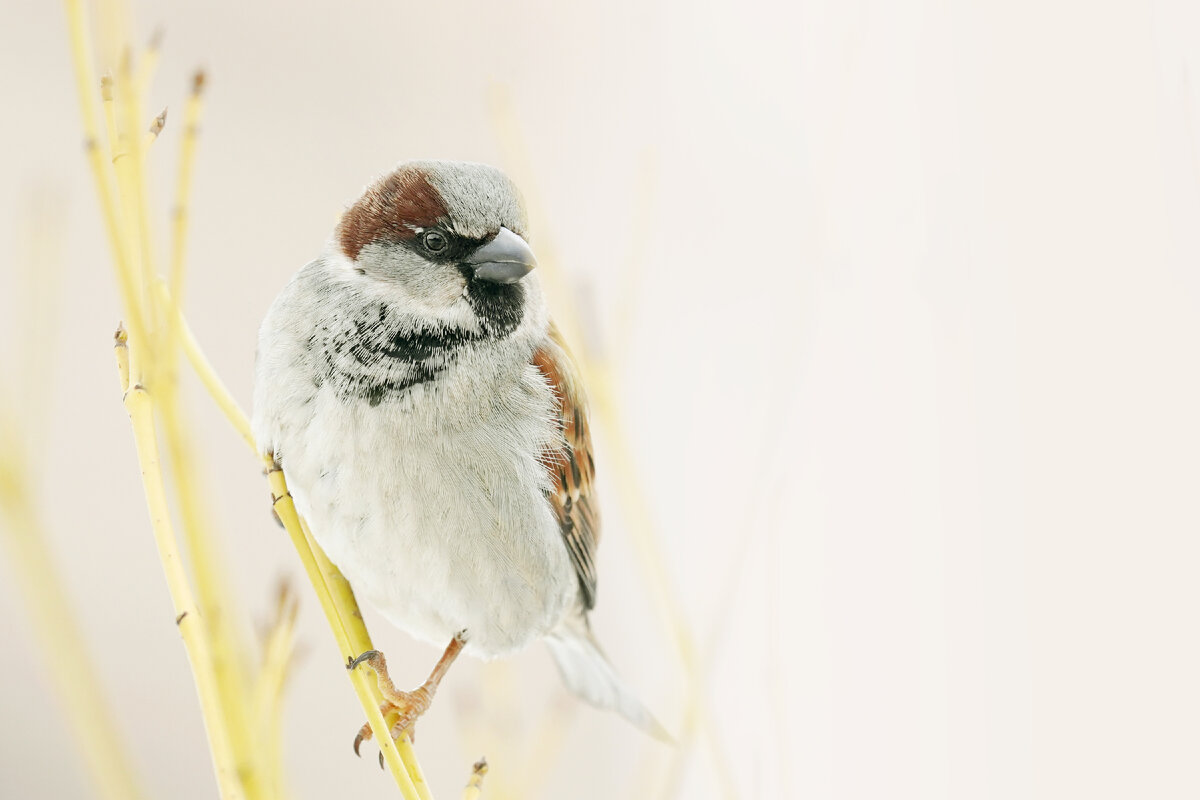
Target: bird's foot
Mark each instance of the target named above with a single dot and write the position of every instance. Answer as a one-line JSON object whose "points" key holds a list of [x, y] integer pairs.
{"points": [[404, 707], [405, 716]]}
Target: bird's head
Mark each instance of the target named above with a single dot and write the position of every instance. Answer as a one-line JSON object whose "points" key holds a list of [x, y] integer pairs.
{"points": [[447, 239]]}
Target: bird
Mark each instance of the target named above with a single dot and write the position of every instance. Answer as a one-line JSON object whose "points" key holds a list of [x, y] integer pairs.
{"points": [[433, 428]]}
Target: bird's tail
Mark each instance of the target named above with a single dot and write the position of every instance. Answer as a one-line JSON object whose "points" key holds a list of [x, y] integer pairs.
{"points": [[586, 672]]}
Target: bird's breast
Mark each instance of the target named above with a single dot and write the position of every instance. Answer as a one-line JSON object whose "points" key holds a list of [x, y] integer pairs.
{"points": [[434, 505]]}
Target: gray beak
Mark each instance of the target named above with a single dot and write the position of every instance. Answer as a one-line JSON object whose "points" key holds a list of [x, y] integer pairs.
{"points": [[505, 259]]}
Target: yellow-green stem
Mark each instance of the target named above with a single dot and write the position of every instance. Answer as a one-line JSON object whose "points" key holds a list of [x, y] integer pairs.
{"points": [[230, 665], [363, 682], [188, 618]]}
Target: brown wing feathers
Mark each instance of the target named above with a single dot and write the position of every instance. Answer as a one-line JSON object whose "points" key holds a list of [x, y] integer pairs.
{"points": [[571, 468]]}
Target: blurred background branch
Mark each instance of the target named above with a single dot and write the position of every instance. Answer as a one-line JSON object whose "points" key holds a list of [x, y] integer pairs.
{"points": [[582, 331], [85, 712]]}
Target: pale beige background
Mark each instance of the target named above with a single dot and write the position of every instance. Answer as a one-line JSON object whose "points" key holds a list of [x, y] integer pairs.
{"points": [[904, 299]]}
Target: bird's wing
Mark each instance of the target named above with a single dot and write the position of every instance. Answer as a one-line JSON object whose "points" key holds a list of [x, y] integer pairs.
{"points": [[571, 468]]}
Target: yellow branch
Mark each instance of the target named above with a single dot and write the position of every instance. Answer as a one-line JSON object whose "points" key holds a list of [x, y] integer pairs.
{"points": [[180, 217], [110, 114], [337, 598], [130, 236], [207, 375], [151, 313], [335, 613], [342, 609], [191, 623], [230, 663], [135, 194], [85, 80], [149, 61], [360, 642], [126, 153]]}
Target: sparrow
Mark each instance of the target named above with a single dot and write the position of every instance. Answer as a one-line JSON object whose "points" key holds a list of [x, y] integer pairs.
{"points": [[434, 431]]}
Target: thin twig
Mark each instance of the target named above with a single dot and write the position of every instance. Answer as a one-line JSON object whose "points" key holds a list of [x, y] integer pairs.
{"points": [[475, 784], [191, 624], [180, 214]]}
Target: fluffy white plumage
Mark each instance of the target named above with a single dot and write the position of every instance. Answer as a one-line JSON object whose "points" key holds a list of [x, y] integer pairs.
{"points": [[432, 504], [413, 426]]}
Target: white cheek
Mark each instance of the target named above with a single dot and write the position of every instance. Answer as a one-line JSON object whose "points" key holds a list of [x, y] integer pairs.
{"points": [[453, 293], [432, 287]]}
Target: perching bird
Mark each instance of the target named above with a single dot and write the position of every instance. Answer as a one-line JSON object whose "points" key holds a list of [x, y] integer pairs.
{"points": [[433, 430]]}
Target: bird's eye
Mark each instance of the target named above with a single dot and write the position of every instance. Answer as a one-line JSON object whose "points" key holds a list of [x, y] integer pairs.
{"points": [[434, 241]]}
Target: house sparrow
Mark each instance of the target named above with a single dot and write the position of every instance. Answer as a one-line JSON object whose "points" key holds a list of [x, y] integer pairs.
{"points": [[433, 429]]}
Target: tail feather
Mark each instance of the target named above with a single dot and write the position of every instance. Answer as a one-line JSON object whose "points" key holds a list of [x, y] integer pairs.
{"points": [[587, 672]]}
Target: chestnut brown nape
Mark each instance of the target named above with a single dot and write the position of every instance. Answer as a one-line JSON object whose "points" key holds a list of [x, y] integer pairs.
{"points": [[390, 209]]}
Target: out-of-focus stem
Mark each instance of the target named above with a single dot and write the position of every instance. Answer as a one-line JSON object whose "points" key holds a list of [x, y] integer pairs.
{"points": [[135, 197], [60, 641], [637, 517], [181, 215], [278, 649], [149, 64], [599, 381], [85, 79]]}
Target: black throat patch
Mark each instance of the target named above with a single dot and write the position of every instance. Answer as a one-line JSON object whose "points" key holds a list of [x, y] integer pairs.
{"points": [[375, 356], [499, 306]]}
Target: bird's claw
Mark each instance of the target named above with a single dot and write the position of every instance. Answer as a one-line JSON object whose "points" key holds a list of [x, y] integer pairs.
{"points": [[365, 656], [406, 713], [405, 708], [358, 740]]}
